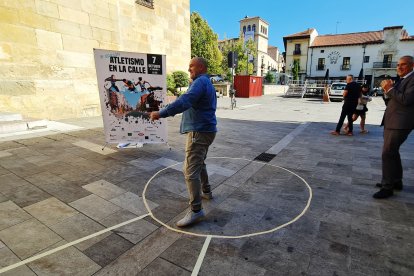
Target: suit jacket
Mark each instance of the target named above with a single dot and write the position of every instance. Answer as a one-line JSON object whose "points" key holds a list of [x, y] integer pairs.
{"points": [[399, 113]]}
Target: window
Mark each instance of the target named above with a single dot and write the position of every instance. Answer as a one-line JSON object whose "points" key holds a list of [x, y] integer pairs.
{"points": [[387, 61], [146, 3], [254, 28], [297, 49], [244, 29], [366, 59], [249, 28], [321, 64], [346, 63], [322, 51]]}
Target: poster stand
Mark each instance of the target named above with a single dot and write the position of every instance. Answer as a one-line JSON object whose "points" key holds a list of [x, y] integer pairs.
{"points": [[131, 86], [104, 146]]}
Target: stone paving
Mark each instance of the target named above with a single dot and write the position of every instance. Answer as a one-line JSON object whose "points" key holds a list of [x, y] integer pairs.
{"points": [[57, 188]]}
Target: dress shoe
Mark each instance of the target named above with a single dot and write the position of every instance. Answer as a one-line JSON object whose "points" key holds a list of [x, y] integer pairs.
{"points": [[383, 193], [397, 186]]}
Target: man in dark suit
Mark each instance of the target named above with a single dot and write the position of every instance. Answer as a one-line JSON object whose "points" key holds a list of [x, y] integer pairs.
{"points": [[398, 123]]}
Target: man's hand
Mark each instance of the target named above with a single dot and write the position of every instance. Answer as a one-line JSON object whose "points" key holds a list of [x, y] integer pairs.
{"points": [[155, 115], [387, 85]]}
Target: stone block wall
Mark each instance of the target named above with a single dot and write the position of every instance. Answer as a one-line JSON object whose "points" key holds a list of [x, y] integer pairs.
{"points": [[47, 68]]}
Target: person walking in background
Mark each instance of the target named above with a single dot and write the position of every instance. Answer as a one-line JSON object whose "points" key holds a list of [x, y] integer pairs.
{"points": [[199, 122], [361, 109], [352, 93], [398, 123]]}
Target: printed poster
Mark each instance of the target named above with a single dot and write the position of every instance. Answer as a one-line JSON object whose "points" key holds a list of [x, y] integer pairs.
{"points": [[130, 86]]}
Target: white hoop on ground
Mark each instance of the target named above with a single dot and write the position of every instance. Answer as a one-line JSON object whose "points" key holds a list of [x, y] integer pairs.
{"points": [[228, 236]]}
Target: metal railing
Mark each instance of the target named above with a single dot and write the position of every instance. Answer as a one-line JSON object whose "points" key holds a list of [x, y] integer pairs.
{"points": [[320, 67], [384, 65], [296, 52], [345, 67]]}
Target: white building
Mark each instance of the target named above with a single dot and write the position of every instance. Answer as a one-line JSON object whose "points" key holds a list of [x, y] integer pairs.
{"points": [[370, 55], [268, 57]]}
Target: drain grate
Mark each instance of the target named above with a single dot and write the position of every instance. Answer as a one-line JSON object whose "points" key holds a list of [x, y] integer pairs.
{"points": [[265, 157]]}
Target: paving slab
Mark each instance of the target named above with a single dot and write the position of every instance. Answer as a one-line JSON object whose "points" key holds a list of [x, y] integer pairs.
{"points": [[133, 232], [69, 261], [50, 211], [7, 257], [11, 214], [95, 207], [104, 189], [32, 237], [344, 231], [78, 226]]}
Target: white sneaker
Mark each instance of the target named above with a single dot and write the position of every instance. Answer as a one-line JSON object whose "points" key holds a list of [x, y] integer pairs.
{"points": [[190, 218], [207, 196]]}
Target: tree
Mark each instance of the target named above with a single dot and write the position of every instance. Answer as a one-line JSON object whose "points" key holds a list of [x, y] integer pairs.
{"points": [[296, 69], [270, 78], [243, 51], [204, 43], [181, 79], [171, 87]]}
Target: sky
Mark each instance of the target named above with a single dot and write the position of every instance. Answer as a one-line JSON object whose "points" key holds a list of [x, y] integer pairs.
{"points": [[293, 16]]}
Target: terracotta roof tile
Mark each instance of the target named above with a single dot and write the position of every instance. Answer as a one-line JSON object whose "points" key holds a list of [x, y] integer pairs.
{"points": [[348, 39], [300, 34]]}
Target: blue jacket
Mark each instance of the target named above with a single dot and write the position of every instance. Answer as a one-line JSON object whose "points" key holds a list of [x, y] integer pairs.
{"points": [[198, 106]]}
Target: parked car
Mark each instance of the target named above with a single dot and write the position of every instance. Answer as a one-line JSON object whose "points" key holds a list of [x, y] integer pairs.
{"points": [[216, 78], [377, 91], [336, 91]]}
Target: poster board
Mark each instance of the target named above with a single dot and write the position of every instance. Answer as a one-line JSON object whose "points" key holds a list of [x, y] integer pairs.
{"points": [[131, 85]]}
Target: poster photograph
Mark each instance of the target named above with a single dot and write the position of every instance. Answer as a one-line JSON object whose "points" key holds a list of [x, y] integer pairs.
{"points": [[131, 85]]}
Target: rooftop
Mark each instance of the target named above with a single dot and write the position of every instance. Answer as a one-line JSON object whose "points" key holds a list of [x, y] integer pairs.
{"points": [[348, 39]]}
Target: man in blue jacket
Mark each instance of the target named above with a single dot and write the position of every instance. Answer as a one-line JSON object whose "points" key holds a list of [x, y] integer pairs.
{"points": [[198, 106]]}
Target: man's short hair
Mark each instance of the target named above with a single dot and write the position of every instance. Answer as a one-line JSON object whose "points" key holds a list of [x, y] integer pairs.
{"points": [[351, 76], [409, 59], [202, 61]]}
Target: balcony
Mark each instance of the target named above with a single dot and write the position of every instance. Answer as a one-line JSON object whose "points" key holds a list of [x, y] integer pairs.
{"points": [[345, 67], [296, 52], [384, 65], [146, 3], [320, 67]]}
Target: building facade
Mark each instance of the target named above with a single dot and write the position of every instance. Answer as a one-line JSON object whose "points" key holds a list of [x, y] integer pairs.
{"points": [[268, 57], [370, 56], [296, 49], [46, 49]]}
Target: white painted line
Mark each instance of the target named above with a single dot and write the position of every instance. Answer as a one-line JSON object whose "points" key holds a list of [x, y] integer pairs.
{"points": [[44, 254], [249, 105], [228, 236], [201, 257], [279, 146]]}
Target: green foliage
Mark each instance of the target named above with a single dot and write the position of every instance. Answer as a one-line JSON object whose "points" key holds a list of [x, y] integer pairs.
{"points": [[270, 78], [296, 69], [171, 84], [242, 53], [181, 79], [204, 43]]}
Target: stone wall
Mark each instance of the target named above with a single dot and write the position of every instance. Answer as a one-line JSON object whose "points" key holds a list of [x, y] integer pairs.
{"points": [[275, 89], [47, 67]]}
